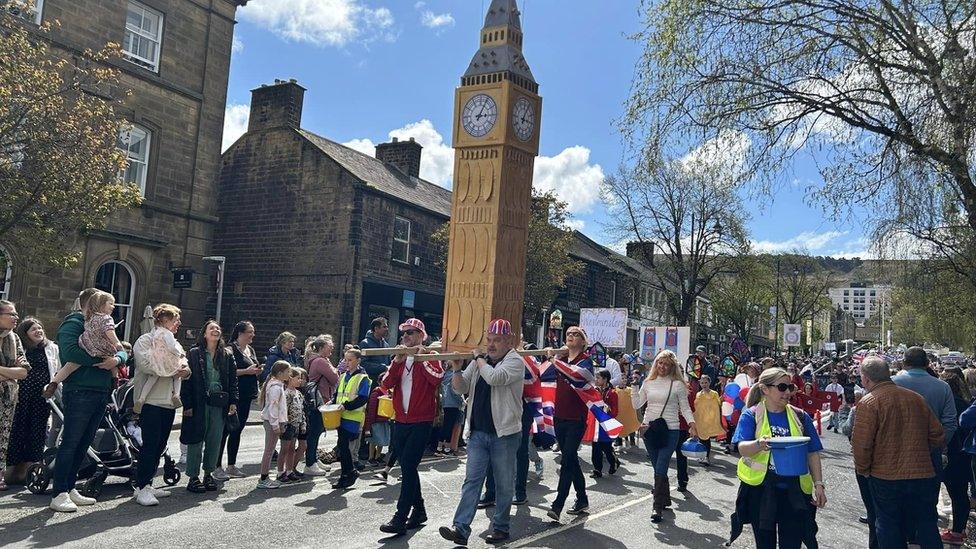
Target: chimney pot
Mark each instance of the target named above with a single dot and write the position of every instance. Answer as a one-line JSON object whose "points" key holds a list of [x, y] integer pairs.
{"points": [[404, 155], [275, 106]]}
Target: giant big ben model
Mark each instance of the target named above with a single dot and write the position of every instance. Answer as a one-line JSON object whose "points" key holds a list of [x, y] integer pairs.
{"points": [[496, 139]]}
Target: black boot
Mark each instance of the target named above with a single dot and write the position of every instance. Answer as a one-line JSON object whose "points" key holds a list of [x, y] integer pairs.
{"points": [[396, 526], [418, 516], [658, 506]]}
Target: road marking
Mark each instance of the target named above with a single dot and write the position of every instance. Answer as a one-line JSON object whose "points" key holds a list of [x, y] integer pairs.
{"points": [[553, 531]]}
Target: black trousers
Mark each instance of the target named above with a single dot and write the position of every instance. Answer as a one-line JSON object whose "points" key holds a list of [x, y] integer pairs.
{"points": [[232, 439], [156, 424], [789, 529], [600, 449], [345, 452], [409, 441], [569, 435], [865, 489], [682, 460]]}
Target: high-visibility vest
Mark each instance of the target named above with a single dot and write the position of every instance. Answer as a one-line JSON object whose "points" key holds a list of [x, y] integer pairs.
{"points": [[349, 390], [752, 470]]}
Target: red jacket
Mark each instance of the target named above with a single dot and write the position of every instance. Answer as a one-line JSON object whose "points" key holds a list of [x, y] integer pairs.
{"points": [[372, 409], [423, 390]]}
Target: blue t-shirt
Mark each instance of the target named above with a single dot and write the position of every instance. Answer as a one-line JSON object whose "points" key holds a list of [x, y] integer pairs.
{"points": [[779, 425]]}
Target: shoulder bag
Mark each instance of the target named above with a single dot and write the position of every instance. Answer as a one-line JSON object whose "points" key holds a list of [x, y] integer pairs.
{"points": [[656, 435]]}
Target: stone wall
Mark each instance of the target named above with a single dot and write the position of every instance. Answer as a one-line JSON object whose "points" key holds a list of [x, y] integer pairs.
{"points": [[183, 106]]}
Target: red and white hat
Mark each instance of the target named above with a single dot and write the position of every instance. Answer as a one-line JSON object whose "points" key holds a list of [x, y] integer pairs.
{"points": [[414, 324], [499, 326]]}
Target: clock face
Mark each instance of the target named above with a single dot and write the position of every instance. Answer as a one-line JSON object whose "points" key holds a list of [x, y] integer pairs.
{"points": [[479, 115], [523, 119]]}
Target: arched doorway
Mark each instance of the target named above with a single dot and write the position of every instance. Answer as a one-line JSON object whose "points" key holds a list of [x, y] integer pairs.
{"points": [[117, 278]]}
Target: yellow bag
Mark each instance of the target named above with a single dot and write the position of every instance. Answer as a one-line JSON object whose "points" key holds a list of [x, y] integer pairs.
{"points": [[626, 414]]}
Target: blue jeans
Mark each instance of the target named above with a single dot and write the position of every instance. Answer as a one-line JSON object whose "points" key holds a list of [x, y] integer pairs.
{"points": [[83, 412], [315, 431], [521, 459], [484, 451], [661, 457], [902, 507]]}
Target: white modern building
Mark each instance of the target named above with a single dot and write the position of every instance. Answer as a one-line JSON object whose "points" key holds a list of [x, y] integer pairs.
{"points": [[860, 300]]}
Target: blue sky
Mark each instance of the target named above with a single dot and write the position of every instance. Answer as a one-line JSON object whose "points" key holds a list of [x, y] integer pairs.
{"points": [[376, 69]]}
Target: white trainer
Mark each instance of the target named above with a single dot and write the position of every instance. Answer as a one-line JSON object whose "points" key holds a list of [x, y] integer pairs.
{"points": [[144, 496], [79, 499], [159, 493], [62, 503], [220, 475], [314, 470], [233, 472]]}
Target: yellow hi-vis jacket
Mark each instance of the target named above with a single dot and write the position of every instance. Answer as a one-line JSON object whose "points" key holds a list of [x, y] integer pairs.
{"points": [[752, 470]]}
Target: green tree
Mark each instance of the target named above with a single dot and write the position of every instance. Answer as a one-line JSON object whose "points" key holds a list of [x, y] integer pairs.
{"points": [[548, 263], [691, 217], [741, 299], [933, 306], [60, 164], [882, 92]]}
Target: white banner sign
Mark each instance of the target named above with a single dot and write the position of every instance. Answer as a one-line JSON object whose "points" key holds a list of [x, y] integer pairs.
{"points": [[830, 346], [606, 326], [791, 335], [655, 339]]}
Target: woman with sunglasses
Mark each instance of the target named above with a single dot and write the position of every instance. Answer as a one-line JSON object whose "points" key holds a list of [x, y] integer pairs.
{"points": [[778, 507]]}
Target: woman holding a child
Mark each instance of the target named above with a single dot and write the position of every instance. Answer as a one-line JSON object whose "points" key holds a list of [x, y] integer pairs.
{"points": [[157, 373]]}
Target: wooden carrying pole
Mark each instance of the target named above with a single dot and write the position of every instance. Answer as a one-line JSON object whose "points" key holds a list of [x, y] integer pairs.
{"points": [[448, 356]]}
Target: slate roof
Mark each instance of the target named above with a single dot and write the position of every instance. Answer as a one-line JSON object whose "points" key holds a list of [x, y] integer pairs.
{"points": [[501, 13], [586, 249], [385, 178]]}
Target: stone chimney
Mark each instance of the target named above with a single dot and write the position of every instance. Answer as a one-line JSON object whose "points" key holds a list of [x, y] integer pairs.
{"points": [[405, 155], [276, 105], [641, 251]]}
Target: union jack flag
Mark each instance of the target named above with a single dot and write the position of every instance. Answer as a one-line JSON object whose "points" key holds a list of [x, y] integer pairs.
{"points": [[581, 379]]}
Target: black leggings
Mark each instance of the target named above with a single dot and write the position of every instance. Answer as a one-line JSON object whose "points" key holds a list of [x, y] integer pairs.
{"points": [[956, 477], [569, 435], [232, 439]]}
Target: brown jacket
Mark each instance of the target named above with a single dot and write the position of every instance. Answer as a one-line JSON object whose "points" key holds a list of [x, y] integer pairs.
{"points": [[894, 434]]}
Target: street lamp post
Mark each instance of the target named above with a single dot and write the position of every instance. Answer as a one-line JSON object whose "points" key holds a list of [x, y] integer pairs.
{"points": [[221, 261], [776, 312]]}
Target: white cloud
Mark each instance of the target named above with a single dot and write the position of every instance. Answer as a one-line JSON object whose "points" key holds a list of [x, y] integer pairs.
{"points": [[364, 146], [807, 241], [320, 22], [571, 176], [437, 160], [236, 46], [436, 21], [724, 155], [576, 224], [235, 124]]}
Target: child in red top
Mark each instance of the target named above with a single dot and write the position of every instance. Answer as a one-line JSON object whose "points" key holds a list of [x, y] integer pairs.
{"points": [[605, 447]]}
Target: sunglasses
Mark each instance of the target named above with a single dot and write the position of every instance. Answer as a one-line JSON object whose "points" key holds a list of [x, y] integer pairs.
{"points": [[783, 387], [410, 332]]}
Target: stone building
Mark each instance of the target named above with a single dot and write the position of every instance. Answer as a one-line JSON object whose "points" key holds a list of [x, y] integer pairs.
{"points": [[176, 63], [320, 238]]}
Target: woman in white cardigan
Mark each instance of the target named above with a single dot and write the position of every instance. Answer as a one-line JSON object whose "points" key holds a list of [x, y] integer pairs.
{"points": [[666, 395]]}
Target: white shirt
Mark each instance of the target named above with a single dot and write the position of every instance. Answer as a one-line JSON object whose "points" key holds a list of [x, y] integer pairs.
{"points": [[406, 384], [654, 392], [835, 388], [614, 368]]}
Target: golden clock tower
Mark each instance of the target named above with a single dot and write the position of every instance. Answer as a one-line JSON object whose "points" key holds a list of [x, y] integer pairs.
{"points": [[496, 139]]}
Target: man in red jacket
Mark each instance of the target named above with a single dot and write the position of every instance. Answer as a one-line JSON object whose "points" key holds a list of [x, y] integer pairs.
{"points": [[414, 385]]}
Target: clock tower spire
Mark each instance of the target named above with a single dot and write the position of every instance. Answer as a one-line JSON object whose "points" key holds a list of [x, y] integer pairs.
{"points": [[496, 139]]}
